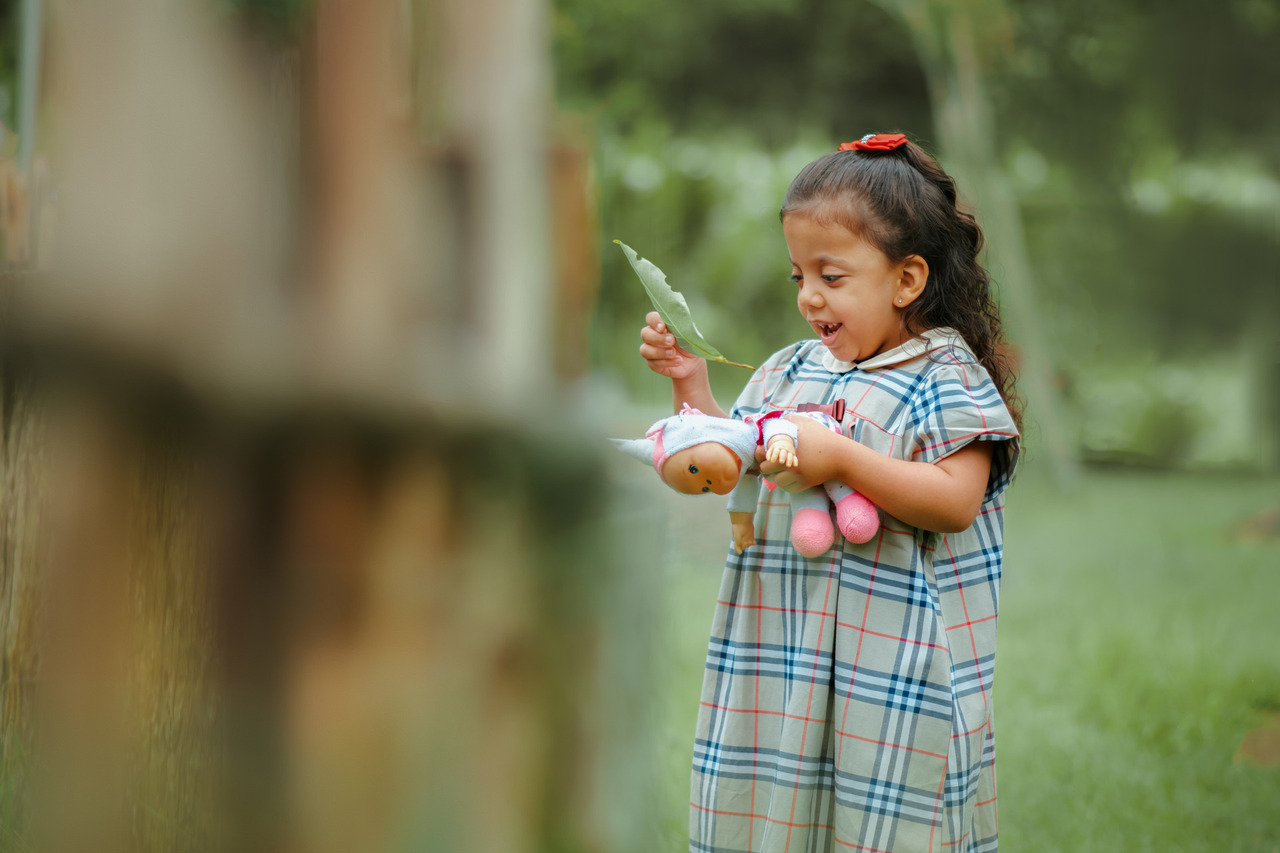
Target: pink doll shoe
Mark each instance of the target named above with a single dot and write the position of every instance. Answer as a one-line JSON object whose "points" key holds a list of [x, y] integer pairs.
{"points": [[857, 518], [811, 532]]}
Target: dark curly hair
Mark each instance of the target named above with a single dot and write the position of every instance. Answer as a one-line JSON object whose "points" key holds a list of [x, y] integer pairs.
{"points": [[903, 203]]}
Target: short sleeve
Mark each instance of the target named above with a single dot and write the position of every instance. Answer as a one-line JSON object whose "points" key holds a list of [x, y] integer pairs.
{"points": [[955, 404]]}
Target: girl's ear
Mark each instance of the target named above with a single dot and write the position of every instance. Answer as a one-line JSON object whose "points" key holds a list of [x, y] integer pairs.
{"points": [[912, 277]]}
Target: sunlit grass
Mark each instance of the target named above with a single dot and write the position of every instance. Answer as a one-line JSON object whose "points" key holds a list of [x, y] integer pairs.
{"points": [[1138, 645]]}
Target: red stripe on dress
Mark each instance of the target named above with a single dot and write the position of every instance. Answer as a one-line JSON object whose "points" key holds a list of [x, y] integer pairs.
{"points": [[858, 653], [752, 816], [804, 729], [971, 623], [888, 744], [937, 801]]}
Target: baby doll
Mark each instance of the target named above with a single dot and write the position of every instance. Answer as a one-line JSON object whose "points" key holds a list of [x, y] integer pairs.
{"points": [[695, 453]]}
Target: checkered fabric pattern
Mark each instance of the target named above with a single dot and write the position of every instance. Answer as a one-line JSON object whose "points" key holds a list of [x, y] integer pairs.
{"points": [[847, 699]]}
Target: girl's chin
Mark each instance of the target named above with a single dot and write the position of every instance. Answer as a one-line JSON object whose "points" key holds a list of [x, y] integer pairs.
{"points": [[841, 353]]}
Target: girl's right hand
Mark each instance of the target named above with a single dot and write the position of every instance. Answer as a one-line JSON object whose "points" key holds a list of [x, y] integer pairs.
{"points": [[664, 356]]}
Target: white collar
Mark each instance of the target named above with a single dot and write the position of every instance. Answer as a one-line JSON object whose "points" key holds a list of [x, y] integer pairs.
{"points": [[912, 348]]}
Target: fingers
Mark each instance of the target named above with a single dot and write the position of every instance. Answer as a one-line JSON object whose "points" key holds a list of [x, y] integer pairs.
{"points": [[782, 453], [655, 334], [787, 479], [658, 347]]}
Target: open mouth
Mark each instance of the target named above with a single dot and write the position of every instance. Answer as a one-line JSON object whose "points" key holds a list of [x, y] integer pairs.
{"points": [[827, 330]]}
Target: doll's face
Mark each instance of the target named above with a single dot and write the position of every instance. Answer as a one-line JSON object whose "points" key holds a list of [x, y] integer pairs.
{"points": [[707, 467]]}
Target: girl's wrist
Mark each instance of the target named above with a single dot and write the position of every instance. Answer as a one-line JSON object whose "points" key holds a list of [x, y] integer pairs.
{"points": [[697, 377], [695, 389]]}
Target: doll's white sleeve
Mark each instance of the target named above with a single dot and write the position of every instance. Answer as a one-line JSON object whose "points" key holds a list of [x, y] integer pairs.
{"points": [[744, 495], [780, 426]]}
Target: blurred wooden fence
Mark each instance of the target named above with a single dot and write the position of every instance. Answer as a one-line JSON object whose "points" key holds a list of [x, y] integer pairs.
{"points": [[298, 544]]}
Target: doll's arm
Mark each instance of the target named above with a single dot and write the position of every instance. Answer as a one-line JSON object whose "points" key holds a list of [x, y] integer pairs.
{"points": [[742, 511], [782, 450], [780, 441], [743, 525]]}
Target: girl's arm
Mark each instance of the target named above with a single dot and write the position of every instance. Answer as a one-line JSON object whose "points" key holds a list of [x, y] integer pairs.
{"points": [[943, 496], [687, 372]]}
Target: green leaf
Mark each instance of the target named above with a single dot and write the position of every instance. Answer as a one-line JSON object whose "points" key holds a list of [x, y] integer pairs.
{"points": [[674, 311]]}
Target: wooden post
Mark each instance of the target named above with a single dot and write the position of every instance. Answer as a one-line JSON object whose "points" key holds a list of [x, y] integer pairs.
{"points": [[318, 570]]}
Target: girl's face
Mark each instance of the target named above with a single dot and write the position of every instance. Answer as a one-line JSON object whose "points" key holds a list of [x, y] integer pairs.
{"points": [[850, 293]]}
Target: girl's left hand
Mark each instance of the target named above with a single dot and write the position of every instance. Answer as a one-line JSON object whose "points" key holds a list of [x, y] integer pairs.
{"points": [[817, 449]]}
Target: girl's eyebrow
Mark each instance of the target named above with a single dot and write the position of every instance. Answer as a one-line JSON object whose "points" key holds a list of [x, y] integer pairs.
{"points": [[824, 259]]}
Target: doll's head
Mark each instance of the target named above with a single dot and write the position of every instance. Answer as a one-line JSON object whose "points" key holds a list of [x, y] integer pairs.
{"points": [[695, 453], [706, 467]]}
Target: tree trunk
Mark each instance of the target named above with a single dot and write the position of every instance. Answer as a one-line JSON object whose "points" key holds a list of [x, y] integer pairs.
{"points": [[952, 40], [299, 541]]}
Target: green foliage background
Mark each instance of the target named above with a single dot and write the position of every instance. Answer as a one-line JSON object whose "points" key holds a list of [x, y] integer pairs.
{"points": [[1136, 135]]}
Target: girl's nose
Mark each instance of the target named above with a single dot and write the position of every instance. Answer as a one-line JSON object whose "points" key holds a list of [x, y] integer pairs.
{"points": [[810, 295]]}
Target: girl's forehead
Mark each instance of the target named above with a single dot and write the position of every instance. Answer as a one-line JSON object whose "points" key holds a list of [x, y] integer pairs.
{"points": [[810, 233], [839, 219]]}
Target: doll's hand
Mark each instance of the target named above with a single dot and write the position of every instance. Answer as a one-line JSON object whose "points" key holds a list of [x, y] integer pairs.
{"points": [[818, 465], [782, 450], [743, 525], [664, 356]]}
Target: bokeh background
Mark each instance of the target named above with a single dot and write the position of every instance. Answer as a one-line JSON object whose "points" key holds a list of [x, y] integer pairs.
{"points": [[1124, 162], [299, 551], [1134, 139]]}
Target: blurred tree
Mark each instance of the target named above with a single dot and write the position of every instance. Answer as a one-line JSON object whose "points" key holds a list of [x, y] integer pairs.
{"points": [[956, 43], [8, 61], [1166, 171], [318, 568], [774, 66], [1128, 137], [281, 20]]}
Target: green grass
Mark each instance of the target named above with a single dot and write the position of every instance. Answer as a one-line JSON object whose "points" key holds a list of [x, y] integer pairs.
{"points": [[14, 812], [1138, 644]]}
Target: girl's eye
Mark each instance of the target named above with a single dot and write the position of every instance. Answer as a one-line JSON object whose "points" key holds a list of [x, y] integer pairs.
{"points": [[693, 469], [793, 278], [831, 279]]}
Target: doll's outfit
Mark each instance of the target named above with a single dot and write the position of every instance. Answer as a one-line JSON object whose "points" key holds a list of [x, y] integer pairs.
{"points": [[812, 533], [846, 703]]}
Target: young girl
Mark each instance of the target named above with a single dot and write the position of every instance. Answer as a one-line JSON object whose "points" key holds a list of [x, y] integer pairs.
{"points": [[847, 699]]}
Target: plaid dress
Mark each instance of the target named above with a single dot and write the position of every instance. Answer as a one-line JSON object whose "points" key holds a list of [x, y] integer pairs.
{"points": [[847, 699]]}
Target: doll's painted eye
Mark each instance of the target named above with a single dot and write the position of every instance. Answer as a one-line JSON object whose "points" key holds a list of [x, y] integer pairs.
{"points": [[693, 469], [706, 489]]}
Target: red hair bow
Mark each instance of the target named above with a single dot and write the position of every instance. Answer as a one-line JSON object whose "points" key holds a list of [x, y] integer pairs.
{"points": [[875, 142]]}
